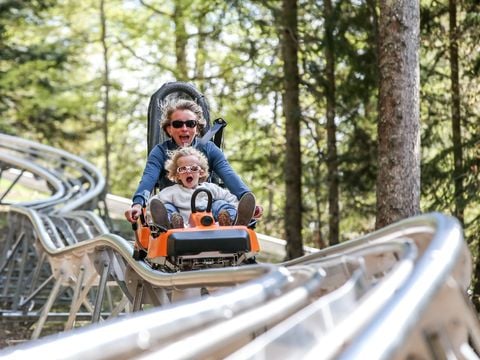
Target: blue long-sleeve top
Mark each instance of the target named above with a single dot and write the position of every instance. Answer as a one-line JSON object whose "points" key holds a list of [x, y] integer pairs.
{"points": [[155, 170]]}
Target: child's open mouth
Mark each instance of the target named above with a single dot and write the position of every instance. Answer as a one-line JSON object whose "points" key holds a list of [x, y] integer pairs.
{"points": [[189, 179]]}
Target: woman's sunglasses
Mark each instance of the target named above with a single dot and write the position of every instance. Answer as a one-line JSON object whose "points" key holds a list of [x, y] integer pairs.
{"points": [[178, 124]]}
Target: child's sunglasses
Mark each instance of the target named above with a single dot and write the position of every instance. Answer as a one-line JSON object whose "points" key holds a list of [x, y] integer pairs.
{"points": [[185, 169]]}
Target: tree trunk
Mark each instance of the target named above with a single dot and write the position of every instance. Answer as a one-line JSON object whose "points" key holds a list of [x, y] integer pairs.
{"points": [[106, 90], [398, 181], [201, 54], [181, 40], [291, 106], [332, 161], [456, 120], [201, 58]]}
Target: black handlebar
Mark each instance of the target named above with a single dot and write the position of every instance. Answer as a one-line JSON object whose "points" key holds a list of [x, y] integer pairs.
{"points": [[194, 199]]}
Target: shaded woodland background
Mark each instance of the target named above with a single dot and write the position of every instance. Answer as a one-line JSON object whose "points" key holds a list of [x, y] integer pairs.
{"points": [[78, 75]]}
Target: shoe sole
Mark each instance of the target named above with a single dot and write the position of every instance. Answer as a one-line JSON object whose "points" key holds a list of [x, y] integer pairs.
{"points": [[245, 210], [159, 213], [177, 221], [224, 219]]}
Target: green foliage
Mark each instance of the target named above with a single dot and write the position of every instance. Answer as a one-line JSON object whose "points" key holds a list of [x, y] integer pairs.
{"points": [[52, 81], [36, 100], [437, 164]]}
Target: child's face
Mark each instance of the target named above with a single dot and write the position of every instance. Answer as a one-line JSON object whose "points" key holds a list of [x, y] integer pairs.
{"points": [[185, 171]]}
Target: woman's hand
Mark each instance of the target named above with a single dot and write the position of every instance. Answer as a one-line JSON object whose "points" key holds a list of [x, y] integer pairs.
{"points": [[257, 214], [133, 213]]}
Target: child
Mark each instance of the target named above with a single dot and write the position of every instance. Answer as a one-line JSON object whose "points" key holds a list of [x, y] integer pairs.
{"points": [[188, 168]]}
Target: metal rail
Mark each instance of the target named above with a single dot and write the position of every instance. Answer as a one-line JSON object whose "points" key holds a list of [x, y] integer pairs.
{"points": [[396, 293]]}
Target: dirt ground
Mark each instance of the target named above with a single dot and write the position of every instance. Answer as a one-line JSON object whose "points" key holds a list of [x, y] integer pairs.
{"points": [[13, 333]]}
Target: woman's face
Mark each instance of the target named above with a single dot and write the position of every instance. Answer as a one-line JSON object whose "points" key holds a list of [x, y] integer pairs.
{"points": [[180, 127]]}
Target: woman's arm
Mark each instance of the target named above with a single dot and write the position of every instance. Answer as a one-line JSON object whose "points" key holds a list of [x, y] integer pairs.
{"points": [[219, 164], [153, 169]]}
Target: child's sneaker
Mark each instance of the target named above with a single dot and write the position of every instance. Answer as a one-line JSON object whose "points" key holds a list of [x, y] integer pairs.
{"points": [[204, 291], [177, 221], [159, 213], [246, 207], [224, 218]]}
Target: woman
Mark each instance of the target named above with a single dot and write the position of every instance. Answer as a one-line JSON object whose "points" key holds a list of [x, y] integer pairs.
{"points": [[183, 121]]}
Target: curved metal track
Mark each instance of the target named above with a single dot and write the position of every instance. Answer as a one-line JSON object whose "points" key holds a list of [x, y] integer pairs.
{"points": [[397, 293]]}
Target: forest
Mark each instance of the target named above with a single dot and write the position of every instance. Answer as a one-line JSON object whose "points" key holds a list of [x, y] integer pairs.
{"points": [[299, 83]]}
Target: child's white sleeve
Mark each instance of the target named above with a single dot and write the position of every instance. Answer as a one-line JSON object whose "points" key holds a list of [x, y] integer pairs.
{"points": [[166, 195], [223, 194]]}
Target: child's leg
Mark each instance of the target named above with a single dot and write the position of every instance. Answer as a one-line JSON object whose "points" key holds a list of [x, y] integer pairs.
{"points": [[174, 216], [162, 213], [246, 208], [223, 206], [158, 213], [170, 209]]}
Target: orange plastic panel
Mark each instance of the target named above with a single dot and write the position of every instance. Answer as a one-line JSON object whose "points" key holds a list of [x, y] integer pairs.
{"points": [[254, 245], [143, 233], [158, 246], [195, 220]]}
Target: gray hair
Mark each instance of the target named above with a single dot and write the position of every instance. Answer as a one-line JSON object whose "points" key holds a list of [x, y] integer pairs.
{"points": [[170, 107]]}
